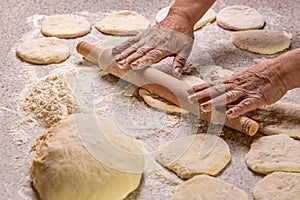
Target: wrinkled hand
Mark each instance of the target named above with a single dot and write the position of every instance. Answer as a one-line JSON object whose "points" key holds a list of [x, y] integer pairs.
{"points": [[255, 87], [171, 37]]}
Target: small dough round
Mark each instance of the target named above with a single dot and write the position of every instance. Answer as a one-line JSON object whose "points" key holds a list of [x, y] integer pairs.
{"points": [[65, 26], [261, 41], [274, 153], [208, 17], [43, 50], [204, 187], [123, 23], [278, 185], [66, 165], [240, 17], [157, 102], [195, 154]]}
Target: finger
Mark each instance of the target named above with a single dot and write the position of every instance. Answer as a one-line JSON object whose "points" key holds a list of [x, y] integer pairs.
{"points": [[244, 106], [130, 50], [120, 48], [208, 93], [136, 55], [151, 57], [178, 65], [221, 100]]}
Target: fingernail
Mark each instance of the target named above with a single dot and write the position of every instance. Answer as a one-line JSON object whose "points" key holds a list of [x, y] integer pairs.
{"points": [[121, 64], [177, 71], [134, 64], [190, 91], [191, 98], [205, 107]]}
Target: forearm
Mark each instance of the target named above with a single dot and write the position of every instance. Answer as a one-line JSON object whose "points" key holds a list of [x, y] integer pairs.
{"points": [[289, 68], [191, 10]]}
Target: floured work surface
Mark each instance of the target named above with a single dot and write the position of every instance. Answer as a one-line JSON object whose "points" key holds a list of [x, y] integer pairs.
{"points": [[108, 96]]}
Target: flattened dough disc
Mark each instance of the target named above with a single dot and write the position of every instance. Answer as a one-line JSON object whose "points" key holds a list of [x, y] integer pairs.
{"points": [[208, 17], [65, 26], [274, 153], [278, 118], [43, 50], [183, 155], [123, 23], [204, 187], [261, 41], [64, 169], [278, 185], [240, 17]]}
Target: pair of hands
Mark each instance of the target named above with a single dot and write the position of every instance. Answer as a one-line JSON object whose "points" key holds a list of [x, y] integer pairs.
{"points": [[246, 91]]}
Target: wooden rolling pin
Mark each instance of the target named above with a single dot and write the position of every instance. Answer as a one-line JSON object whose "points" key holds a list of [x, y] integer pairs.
{"points": [[163, 85]]}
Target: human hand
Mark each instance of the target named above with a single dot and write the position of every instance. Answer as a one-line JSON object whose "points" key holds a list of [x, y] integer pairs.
{"points": [[255, 87], [171, 37]]}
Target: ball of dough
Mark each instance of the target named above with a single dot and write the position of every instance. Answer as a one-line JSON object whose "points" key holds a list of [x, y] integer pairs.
{"points": [[240, 17], [204, 187], [278, 185], [43, 50], [86, 157], [274, 153], [261, 41], [208, 17], [123, 23], [196, 154], [65, 26]]}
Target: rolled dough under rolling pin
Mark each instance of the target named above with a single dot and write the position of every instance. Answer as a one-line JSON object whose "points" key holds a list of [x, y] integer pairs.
{"points": [[161, 84]]}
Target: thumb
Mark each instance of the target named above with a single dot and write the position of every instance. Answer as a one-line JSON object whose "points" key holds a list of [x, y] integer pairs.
{"points": [[178, 64]]}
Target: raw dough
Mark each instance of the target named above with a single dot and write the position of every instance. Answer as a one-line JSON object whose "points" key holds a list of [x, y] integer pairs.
{"points": [[261, 41], [204, 187], [50, 99], [157, 102], [278, 185], [43, 50], [64, 169], [196, 154], [274, 153], [240, 17], [123, 23], [208, 17], [278, 118], [65, 26]]}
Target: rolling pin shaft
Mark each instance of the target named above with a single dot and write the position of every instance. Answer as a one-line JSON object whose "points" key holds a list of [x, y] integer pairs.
{"points": [[161, 84]]}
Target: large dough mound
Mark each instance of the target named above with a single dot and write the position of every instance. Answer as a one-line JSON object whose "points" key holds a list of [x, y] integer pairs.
{"points": [[204, 187], [196, 154], [208, 17], [278, 118], [261, 41], [278, 185], [123, 23], [240, 17], [274, 153], [43, 50], [64, 169], [65, 26]]}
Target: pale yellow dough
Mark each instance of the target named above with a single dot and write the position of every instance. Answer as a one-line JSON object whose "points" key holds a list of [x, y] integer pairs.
{"points": [[208, 17], [204, 187], [67, 164], [123, 23], [274, 153], [278, 185], [261, 41], [240, 17], [43, 50], [196, 154], [65, 26], [159, 103]]}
